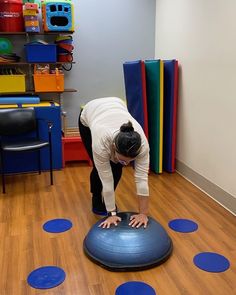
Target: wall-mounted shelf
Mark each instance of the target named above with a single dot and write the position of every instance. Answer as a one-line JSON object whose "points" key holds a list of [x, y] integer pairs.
{"points": [[33, 63], [40, 33], [32, 92]]}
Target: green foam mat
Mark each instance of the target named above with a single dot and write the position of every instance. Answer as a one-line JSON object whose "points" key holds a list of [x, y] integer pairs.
{"points": [[154, 84]]}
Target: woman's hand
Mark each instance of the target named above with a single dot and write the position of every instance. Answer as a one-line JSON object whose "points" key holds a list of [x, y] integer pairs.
{"points": [[109, 221], [138, 219]]}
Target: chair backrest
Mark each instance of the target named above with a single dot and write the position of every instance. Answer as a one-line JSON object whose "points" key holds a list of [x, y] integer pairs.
{"points": [[17, 121]]}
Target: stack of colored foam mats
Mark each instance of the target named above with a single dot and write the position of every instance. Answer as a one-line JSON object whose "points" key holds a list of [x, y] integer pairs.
{"points": [[64, 48], [160, 92], [135, 88], [30, 12]]}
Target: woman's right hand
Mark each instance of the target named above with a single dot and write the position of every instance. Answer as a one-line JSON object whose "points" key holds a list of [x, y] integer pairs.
{"points": [[109, 221]]}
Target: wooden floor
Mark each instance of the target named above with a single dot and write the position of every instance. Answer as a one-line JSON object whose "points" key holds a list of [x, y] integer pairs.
{"points": [[30, 202]]}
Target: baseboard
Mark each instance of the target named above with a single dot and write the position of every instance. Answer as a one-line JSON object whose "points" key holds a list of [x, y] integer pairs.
{"points": [[225, 199]]}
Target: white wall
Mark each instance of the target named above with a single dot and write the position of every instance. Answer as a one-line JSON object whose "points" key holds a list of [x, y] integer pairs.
{"points": [[201, 34], [107, 33]]}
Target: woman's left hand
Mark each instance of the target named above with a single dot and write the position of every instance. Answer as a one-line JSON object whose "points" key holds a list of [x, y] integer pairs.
{"points": [[138, 220]]}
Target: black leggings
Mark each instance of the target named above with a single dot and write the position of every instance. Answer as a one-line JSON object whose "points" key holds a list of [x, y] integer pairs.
{"points": [[95, 182]]}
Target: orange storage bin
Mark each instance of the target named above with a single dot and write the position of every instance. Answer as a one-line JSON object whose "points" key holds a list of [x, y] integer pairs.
{"points": [[49, 82]]}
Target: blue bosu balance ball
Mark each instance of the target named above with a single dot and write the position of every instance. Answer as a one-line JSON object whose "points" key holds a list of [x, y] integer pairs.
{"points": [[123, 248]]}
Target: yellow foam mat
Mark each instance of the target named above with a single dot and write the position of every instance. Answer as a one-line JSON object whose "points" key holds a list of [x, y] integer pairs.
{"points": [[41, 104]]}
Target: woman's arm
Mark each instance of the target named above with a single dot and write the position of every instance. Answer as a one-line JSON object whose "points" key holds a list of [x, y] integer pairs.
{"points": [[141, 179], [143, 204]]}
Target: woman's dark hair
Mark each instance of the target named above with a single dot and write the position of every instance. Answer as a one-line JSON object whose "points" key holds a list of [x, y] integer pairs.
{"points": [[128, 141]]}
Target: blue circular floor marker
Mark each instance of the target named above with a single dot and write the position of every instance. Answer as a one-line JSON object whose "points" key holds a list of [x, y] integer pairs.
{"points": [[135, 288], [57, 225], [46, 277], [211, 262], [183, 225]]}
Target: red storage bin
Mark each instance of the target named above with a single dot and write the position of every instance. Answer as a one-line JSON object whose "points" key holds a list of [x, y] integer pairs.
{"points": [[73, 150], [11, 16]]}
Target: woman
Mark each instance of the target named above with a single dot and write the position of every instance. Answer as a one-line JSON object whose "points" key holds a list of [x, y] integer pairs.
{"points": [[113, 138]]}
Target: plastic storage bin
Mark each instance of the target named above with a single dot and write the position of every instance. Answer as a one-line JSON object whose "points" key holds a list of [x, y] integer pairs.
{"points": [[49, 82], [41, 52], [73, 150], [11, 16], [12, 83]]}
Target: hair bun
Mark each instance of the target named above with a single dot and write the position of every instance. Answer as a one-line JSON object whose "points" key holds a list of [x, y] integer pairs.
{"points": [[127, 127], [127, 141]]}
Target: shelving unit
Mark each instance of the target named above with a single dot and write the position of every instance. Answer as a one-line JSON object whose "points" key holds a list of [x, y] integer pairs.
{"points": [[30, 64], [44, 79]]}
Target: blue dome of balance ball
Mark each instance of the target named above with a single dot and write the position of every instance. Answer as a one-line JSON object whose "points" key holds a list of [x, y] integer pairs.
{"points": [[124, 248]]}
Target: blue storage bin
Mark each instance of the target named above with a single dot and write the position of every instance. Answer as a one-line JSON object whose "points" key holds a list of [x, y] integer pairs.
{"points": [[41, 52]]}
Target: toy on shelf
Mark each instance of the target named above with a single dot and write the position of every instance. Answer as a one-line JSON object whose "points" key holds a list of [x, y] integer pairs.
{"points": [[32, 1], [11, 17], [64, 48], [5, 46], [30, 13], [9, 58], [6, 54], [58, 15]]}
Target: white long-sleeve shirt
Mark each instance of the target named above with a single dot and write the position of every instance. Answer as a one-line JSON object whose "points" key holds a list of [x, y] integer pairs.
{"points": [[104, 116]]}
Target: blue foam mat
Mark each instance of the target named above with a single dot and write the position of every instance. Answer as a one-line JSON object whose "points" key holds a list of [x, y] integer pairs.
{"points": [[183, 225], [46, 277], [133, 88], [211, 262], [169, 66], [19, 99], [57, 225], [135, 288]]}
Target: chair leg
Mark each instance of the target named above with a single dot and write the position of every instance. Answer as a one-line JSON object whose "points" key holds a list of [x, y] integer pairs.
{"points": [[3, 174], [39, 161], [50, 153]]}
